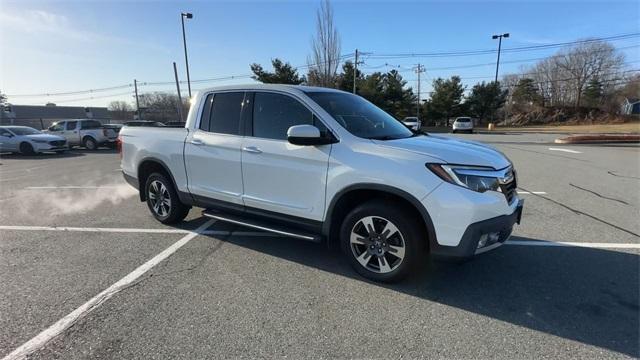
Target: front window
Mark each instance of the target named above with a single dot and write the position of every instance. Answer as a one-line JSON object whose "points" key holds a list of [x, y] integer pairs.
{"points": [[360, 117], [24, 131]]}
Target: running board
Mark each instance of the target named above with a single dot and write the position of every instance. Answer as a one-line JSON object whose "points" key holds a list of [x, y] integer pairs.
{"points": [[263, 225]]}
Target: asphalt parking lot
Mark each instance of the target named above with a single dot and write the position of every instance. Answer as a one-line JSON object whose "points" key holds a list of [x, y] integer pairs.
{"points": [[567, 284]]}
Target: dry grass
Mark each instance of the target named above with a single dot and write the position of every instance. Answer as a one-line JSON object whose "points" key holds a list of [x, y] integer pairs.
{"points": [[625, 128]]}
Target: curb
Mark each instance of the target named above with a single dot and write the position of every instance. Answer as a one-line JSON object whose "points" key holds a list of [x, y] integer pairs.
{"points": [[599, 138]]}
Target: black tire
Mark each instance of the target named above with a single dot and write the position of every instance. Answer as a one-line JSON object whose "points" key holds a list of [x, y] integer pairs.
{"points": [[410, 234], [89, 143], [453, 131], [171, 213], [26, 149], [61, 151]]}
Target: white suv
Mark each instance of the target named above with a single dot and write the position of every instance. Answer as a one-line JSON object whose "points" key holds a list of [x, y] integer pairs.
{"points": [[328, 166], [463, 124]]}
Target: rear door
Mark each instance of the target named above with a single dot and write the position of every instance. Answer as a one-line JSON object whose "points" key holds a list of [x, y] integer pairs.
{"points": [[8, 141], [212, 151], [71, 132], [279, 176]]}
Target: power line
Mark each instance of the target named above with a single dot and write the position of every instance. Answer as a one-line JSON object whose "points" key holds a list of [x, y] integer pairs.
{"points": [[493, 51]]}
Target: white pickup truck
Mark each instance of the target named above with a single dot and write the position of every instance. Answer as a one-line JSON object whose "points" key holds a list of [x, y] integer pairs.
{"points": [[84, 132], [325, 165]]}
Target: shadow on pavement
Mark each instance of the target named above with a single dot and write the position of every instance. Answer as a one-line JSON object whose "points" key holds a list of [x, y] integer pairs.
{"points": [[41, 156], [581, 294]]}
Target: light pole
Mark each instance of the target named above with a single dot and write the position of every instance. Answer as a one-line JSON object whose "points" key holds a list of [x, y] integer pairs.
{"points": [[505, 35], [184, 41]]}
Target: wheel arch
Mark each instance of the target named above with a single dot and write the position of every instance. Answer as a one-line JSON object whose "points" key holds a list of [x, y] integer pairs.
{"points": [[352, 195], [150, 165]]}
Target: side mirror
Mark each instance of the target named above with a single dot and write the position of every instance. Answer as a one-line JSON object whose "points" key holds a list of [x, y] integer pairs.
{"points": [[307, 135]]}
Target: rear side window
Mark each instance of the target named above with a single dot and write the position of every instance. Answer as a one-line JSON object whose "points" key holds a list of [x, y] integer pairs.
{"points": [[225, 113], [91, 124], [274, 114], [206, 113]]}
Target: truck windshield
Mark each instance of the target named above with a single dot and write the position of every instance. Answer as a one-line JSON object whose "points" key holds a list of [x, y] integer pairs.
{"points": [[360, 117]]}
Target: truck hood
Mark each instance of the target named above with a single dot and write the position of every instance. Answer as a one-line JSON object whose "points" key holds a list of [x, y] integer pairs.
{"points": [[450, 150]]}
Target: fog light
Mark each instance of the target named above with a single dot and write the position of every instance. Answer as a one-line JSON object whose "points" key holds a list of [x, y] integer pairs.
{"points": [[494, 237], [483, 241]]}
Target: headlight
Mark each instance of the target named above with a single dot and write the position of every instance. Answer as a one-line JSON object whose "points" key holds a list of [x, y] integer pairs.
{"points": [[475, 178], [40, 141]]}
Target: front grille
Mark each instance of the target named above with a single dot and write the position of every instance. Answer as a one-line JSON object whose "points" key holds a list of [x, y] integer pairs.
{"points": [[57, 142], [509, 190]]}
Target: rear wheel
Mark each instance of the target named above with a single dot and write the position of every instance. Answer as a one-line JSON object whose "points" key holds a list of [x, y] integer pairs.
{"points": [[381, 241], [90, 143], [163, 201], [26, 149]]}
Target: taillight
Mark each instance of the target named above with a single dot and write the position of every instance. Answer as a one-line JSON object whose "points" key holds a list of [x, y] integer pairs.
{"points": [[119, 145]]}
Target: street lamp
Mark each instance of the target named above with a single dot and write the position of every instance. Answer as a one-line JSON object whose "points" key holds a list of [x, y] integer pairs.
{"points": [[505, 35], [184, 41]]}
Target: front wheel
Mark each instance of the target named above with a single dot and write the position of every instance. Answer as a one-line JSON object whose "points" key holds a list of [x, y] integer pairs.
{"points": [[382, 241], [26, 149], [163, 201]]}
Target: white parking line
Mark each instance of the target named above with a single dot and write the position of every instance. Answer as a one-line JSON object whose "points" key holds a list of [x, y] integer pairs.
{"points": [[69, 187], [531, 192], [573, 244], [133, 230], [56, 329], [566, 150]]}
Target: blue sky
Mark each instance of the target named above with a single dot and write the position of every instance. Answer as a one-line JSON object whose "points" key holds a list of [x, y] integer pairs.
{"points": [[56, 46]]}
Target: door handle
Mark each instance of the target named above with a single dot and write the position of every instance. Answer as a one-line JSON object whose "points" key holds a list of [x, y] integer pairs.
{"points": [[197, 142], [252, 150]]}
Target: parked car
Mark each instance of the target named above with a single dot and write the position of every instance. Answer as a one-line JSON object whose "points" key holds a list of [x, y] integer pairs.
{"points": [[320, 165], [143, 123], [84, 132], [28, 141], [463, 124], [412, 122]]}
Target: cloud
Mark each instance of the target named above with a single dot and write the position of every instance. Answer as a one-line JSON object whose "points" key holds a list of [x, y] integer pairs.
{"points": [[47, 24]]}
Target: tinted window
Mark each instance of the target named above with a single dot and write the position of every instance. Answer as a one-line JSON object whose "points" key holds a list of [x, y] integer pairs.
{"points": [[206, 112], [71, 125], [91, 124], [24, 131], [225, 113], [464, 120], [56, 127], [360, 117], [4, 132], [274, 114]]}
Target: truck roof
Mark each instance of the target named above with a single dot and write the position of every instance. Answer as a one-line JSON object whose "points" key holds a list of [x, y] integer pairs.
{"points": [[281, 87]]}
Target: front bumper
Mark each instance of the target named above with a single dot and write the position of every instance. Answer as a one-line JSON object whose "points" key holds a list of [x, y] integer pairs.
{"points": [[493, 232]]}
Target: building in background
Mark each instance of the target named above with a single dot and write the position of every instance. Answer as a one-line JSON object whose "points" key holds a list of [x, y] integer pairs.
{"points": [[631, 106], [42, 116]]}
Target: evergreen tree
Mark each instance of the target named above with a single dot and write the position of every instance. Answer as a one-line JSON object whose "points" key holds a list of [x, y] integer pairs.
{"points": [[283, 73]]}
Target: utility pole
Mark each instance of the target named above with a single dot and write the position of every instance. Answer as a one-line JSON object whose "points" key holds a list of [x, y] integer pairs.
{"points": [[505, 35], [419, 69], [175, 73], [135, 86], [355, 72], [184, 42]]}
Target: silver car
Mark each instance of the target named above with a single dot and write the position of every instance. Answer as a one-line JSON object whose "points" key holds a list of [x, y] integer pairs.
{"points": [[463, 124], [27, 140]]}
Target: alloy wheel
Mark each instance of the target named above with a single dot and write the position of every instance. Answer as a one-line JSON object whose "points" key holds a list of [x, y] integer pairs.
{"points": [[160, 198], [377, 244]]}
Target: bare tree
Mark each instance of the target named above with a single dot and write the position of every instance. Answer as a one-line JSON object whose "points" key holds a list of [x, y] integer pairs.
{"points": [[323, 63], [162, 106], [121, 110], [586, 61]]}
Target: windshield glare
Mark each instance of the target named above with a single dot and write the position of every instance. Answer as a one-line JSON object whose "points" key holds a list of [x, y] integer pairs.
{"points": [[24, 131], [360, 117]]}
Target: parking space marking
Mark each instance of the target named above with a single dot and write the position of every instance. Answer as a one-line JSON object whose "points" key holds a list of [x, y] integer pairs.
{"points": [[531, 192], [93, 229], [565, 150], [56, 329], [573, 244], [70, 187]]}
